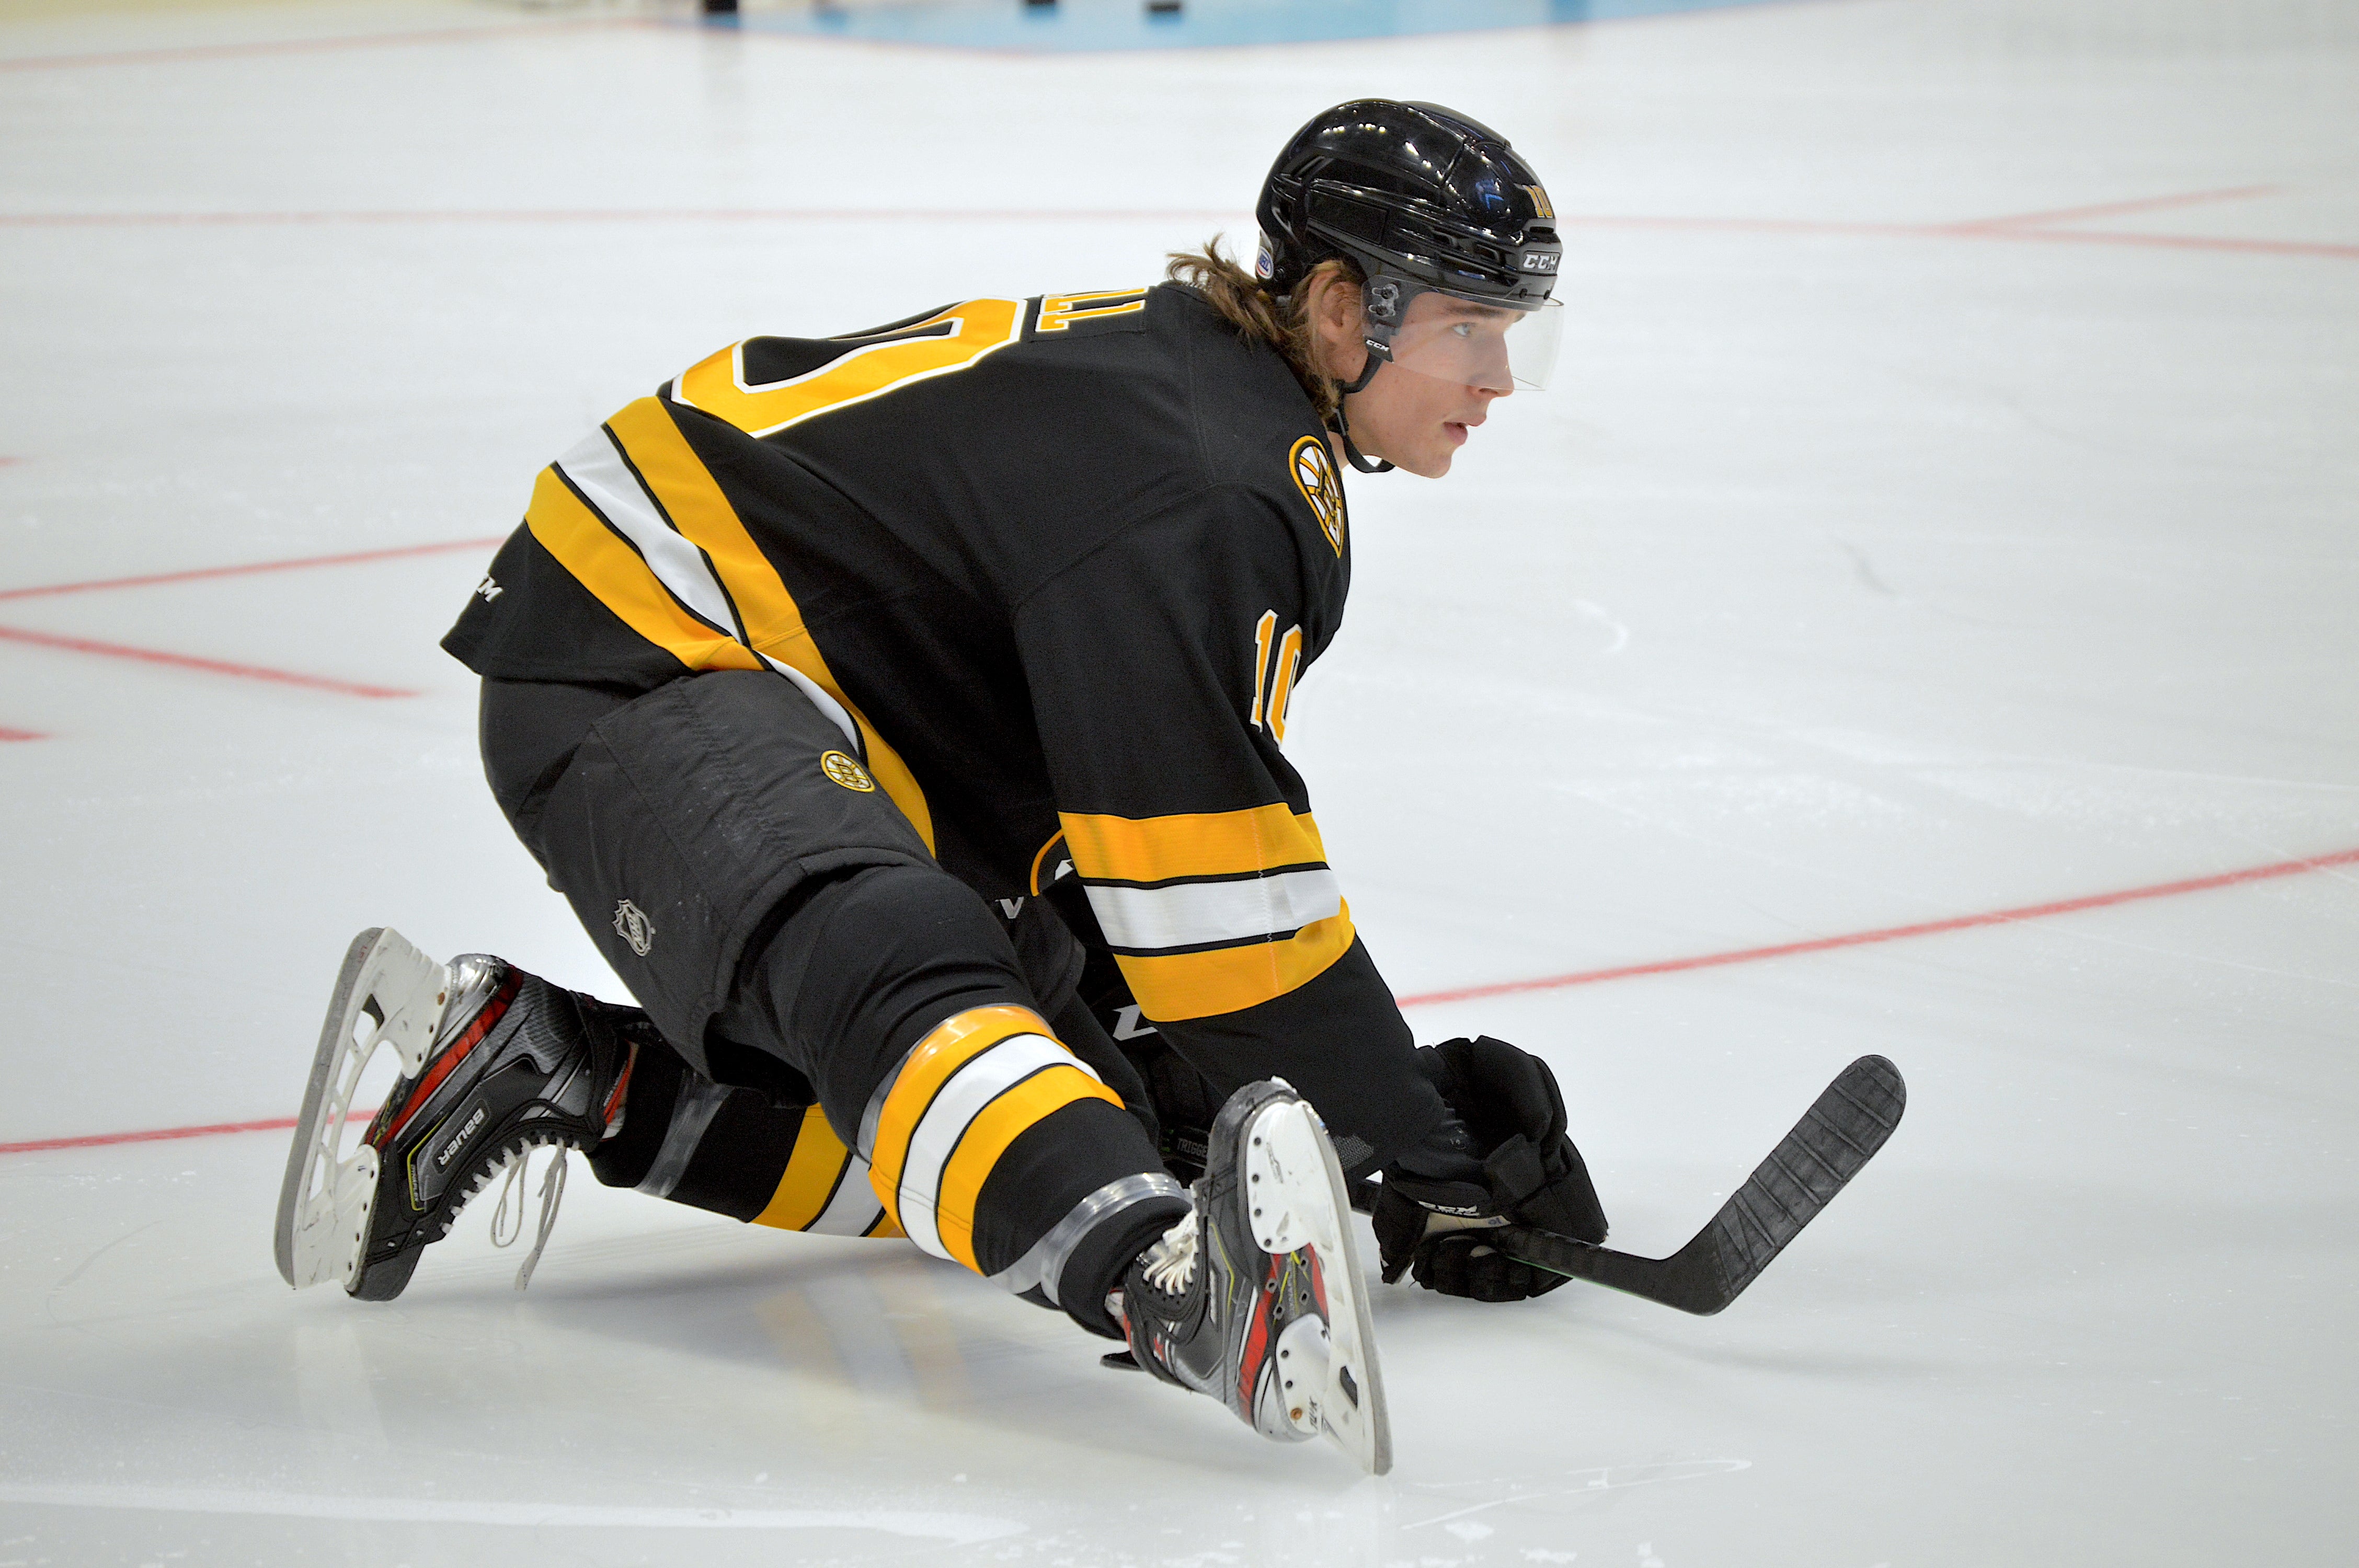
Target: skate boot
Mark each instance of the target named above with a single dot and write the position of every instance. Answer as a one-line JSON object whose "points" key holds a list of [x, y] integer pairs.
{"points": [[1257, 1298], [493, 1064]]}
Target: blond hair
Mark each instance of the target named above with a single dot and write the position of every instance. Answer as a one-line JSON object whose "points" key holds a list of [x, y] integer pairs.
{"points": [[1259, 316]]}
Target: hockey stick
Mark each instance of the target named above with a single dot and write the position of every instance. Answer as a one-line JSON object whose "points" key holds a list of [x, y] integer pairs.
{"points": [[1837, 1135]]}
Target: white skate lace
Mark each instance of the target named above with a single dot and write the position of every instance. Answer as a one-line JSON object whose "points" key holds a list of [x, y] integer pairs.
{"points": [[552, 1193], [1171, 1262]]}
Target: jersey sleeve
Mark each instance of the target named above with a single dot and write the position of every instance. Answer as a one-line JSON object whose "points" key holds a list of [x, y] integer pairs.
{"points": [[1161, 667]]}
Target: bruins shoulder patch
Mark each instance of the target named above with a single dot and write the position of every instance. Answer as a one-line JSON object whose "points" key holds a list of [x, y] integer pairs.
{"points": [[1315, 477], [843, 770]]}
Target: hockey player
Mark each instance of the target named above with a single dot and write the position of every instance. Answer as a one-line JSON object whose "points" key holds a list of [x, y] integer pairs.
{"points": [[899, 709]]}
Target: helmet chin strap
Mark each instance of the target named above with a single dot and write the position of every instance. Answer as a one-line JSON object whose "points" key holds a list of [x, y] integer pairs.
{"points": [[1341, 426]]}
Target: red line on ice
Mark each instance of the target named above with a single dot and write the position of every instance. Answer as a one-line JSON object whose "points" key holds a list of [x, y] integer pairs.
{"points": [[249, 569], [2117, 209], [632, 215], [22, 735], [161, 1135], [2015, 231], [191, 661], [2000, 231], [1895, 933], [2169, 242], [1551, 982]]}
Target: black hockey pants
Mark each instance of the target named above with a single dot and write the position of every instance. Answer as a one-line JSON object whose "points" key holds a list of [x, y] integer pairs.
{"points": [[855, 1043]]}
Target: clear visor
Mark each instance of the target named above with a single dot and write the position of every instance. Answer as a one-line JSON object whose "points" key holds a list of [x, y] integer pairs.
{"points": [[1469, 342]]}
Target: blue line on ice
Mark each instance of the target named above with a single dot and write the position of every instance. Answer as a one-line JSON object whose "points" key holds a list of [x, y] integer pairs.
{"points": [[1076, 25]]}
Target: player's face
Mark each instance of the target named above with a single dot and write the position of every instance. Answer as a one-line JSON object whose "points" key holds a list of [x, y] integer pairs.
{"points": [[1450, 363], [1416, 422]]}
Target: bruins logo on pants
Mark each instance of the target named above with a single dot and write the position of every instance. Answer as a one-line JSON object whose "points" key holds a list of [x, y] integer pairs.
{"points": [[1314, 476], [843, 770]]}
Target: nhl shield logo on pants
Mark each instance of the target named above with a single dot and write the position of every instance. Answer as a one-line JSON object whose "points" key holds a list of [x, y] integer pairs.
{"points": [[632, 924]]}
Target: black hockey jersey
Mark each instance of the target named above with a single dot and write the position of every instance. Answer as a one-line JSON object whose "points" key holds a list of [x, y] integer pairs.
{"points": [[1058, 563]]}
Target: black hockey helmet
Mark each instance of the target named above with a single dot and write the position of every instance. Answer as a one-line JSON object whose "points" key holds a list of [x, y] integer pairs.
{"points": [[1423, 201]]}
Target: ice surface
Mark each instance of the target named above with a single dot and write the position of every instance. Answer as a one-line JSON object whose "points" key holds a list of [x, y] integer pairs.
{"points": [[1877, 562]]}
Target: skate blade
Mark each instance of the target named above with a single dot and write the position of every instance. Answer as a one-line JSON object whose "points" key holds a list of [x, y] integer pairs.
{"points": [[389, 995], [1299, 1200]]}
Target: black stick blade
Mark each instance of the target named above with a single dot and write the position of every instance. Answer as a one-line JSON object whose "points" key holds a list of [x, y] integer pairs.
{"points": [[1836, 1137]]}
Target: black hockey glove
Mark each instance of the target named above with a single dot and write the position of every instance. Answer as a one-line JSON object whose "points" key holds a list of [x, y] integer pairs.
{"points": [[1502, 1158]]}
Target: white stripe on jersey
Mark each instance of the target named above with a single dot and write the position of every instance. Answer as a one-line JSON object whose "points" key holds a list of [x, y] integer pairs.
{"points": [[1188, 913], [598, 471], [617, 494], [819, 700]]}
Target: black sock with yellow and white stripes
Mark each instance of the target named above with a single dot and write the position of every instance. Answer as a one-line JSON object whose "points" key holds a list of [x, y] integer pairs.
{"points": [[731, 1151], [994, 1146], [977, 1133]]}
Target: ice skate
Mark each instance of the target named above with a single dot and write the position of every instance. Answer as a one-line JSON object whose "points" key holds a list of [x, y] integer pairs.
{"points": [[494, 1062], [1257, 1298]]}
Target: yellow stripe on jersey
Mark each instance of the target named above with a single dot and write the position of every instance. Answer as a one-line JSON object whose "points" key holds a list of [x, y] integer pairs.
{"points": [[1171, 987], [697, 507], [812, 1171], [1208, 844], [865, 370], [614, 571], [1187, 852]]}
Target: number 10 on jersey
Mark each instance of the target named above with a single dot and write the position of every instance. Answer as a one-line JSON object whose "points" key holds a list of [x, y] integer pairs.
{"points": [[1276, 661]]}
